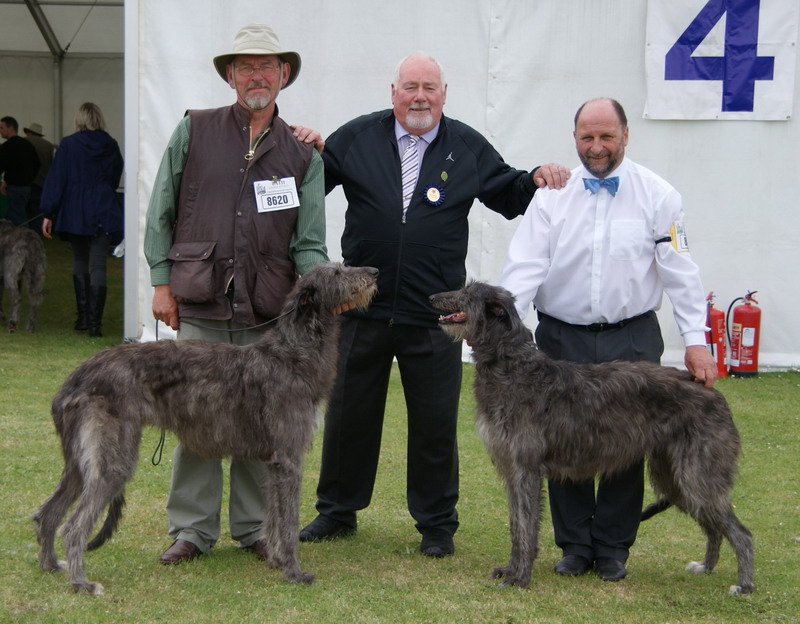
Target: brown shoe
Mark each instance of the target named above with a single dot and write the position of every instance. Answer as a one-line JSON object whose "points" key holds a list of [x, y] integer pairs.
{"points": [[259, 548], [181, 550]]}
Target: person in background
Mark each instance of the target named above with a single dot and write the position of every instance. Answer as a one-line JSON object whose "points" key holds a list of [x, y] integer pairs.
{"points": [[410, 176], [223, 258], [18, 166], [595, 259], [80, 203], [45, 151]]}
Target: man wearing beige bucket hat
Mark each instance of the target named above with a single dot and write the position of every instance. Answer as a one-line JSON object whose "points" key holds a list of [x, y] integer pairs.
{"points": [[45, 150], [235, 193]]}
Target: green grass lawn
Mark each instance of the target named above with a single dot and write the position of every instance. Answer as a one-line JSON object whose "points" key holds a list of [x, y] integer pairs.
{"points": [[378, 575]]}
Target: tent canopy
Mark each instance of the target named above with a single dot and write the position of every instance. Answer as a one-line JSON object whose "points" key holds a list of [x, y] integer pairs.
{"points": [[57, 54]]}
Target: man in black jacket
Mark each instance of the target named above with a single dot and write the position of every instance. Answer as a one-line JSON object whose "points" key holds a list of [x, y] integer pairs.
{"points": [[18, 166], [410, 176]]}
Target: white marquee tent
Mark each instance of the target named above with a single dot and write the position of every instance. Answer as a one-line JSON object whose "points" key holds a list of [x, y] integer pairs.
{"points": [[516, 71]]}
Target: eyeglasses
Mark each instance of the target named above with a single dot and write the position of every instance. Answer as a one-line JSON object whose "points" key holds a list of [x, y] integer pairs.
{"points": [[249, 70]]}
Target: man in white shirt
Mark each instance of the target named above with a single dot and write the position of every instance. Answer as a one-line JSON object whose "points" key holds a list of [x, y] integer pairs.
{"points": [[595, 259]]}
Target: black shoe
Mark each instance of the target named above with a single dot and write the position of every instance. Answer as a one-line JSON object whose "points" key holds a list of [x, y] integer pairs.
{"points": [[437, 544], [325, 528], [573, 565], [610, 569]]}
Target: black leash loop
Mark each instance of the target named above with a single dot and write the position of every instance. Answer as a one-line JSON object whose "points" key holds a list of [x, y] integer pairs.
{"points": [[159, 449]]}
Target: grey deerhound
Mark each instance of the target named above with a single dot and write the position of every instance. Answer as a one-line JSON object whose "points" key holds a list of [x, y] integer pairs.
{"points": [[253, 402], [544, 418], [22, 266]]}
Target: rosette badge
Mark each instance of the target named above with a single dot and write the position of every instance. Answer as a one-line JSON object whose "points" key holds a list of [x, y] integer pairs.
{"points": [[434, 195]]}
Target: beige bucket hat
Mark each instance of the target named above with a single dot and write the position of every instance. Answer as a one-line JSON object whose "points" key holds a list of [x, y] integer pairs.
{"points": [[36, 128], [258, 39]]}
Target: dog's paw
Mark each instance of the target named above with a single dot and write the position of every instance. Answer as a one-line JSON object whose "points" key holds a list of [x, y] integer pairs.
{"points": [[93, 589], [511, 581], [695, 567], [739, 590], [301, 578], [500, 572], [510, 578], [57, 566]]}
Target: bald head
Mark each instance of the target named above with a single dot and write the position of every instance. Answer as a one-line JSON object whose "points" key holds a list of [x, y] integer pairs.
{"points": [[601, 135]]}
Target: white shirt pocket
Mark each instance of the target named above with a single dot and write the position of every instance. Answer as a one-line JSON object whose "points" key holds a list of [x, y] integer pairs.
{"points": [[626, 239]]}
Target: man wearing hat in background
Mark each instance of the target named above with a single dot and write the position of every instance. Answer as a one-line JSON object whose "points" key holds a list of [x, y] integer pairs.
{"points": [[223, 258], [18, 166], [45, 151]]}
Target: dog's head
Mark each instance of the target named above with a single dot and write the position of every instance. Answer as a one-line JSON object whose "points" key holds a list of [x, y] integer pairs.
{"points": [[331, 286], [6, 226], [477, 312]]}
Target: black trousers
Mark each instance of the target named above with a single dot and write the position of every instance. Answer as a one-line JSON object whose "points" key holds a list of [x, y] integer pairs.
{"points": [[90, 256], [603, 524], [430, 370]]}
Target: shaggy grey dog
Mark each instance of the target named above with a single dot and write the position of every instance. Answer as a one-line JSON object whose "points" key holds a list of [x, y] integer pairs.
{"points": [[253, 402], [22, 266], [545, 418]]}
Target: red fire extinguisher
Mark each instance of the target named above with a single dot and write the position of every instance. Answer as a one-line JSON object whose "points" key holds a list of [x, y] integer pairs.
{"points": [[715, 337], [745, 332]]}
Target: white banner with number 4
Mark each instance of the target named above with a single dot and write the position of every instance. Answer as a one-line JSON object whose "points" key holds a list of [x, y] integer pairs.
{"points": [[721, 59]]}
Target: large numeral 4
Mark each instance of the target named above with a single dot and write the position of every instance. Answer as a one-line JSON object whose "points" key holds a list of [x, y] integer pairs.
{"points": [[740, 66]]}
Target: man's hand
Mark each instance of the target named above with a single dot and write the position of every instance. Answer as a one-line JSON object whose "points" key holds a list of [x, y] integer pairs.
{"points": [[309, 135], [47, 228], [552, 175], [701, 365], [343, 308], [165, 308]]}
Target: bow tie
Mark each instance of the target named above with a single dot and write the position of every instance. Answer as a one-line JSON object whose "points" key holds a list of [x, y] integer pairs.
{"points": [[594, 184]]}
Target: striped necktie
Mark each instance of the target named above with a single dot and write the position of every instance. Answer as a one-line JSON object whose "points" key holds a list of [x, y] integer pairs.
{"points": [[408, 170]]}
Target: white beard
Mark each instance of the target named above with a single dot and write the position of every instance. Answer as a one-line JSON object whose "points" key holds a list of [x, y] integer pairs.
{"points": [[257, 102], [418, 120]]}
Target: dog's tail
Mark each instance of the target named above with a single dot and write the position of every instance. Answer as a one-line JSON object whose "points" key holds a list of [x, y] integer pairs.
{"points": [[110, 525], [656, 508]]}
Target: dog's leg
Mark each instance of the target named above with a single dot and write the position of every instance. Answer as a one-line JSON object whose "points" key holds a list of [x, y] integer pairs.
{"points": [[727, 524], [36, 288], [524, 502], [76, 533], [282, 519], [105, 474], [15, 297], [742, 541], [713, 542], [49, 515], [35, 297]]}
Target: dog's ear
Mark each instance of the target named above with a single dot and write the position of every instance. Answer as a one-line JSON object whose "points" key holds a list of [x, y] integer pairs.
{"points": [[305, 298], [497, 307]]}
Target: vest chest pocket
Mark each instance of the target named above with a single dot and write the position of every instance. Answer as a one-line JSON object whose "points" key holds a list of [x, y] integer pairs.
{"points": [[192, 274]]}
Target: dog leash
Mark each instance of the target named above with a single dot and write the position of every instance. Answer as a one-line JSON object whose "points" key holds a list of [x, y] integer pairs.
{"points": [[160, 446], [241, 329]]}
